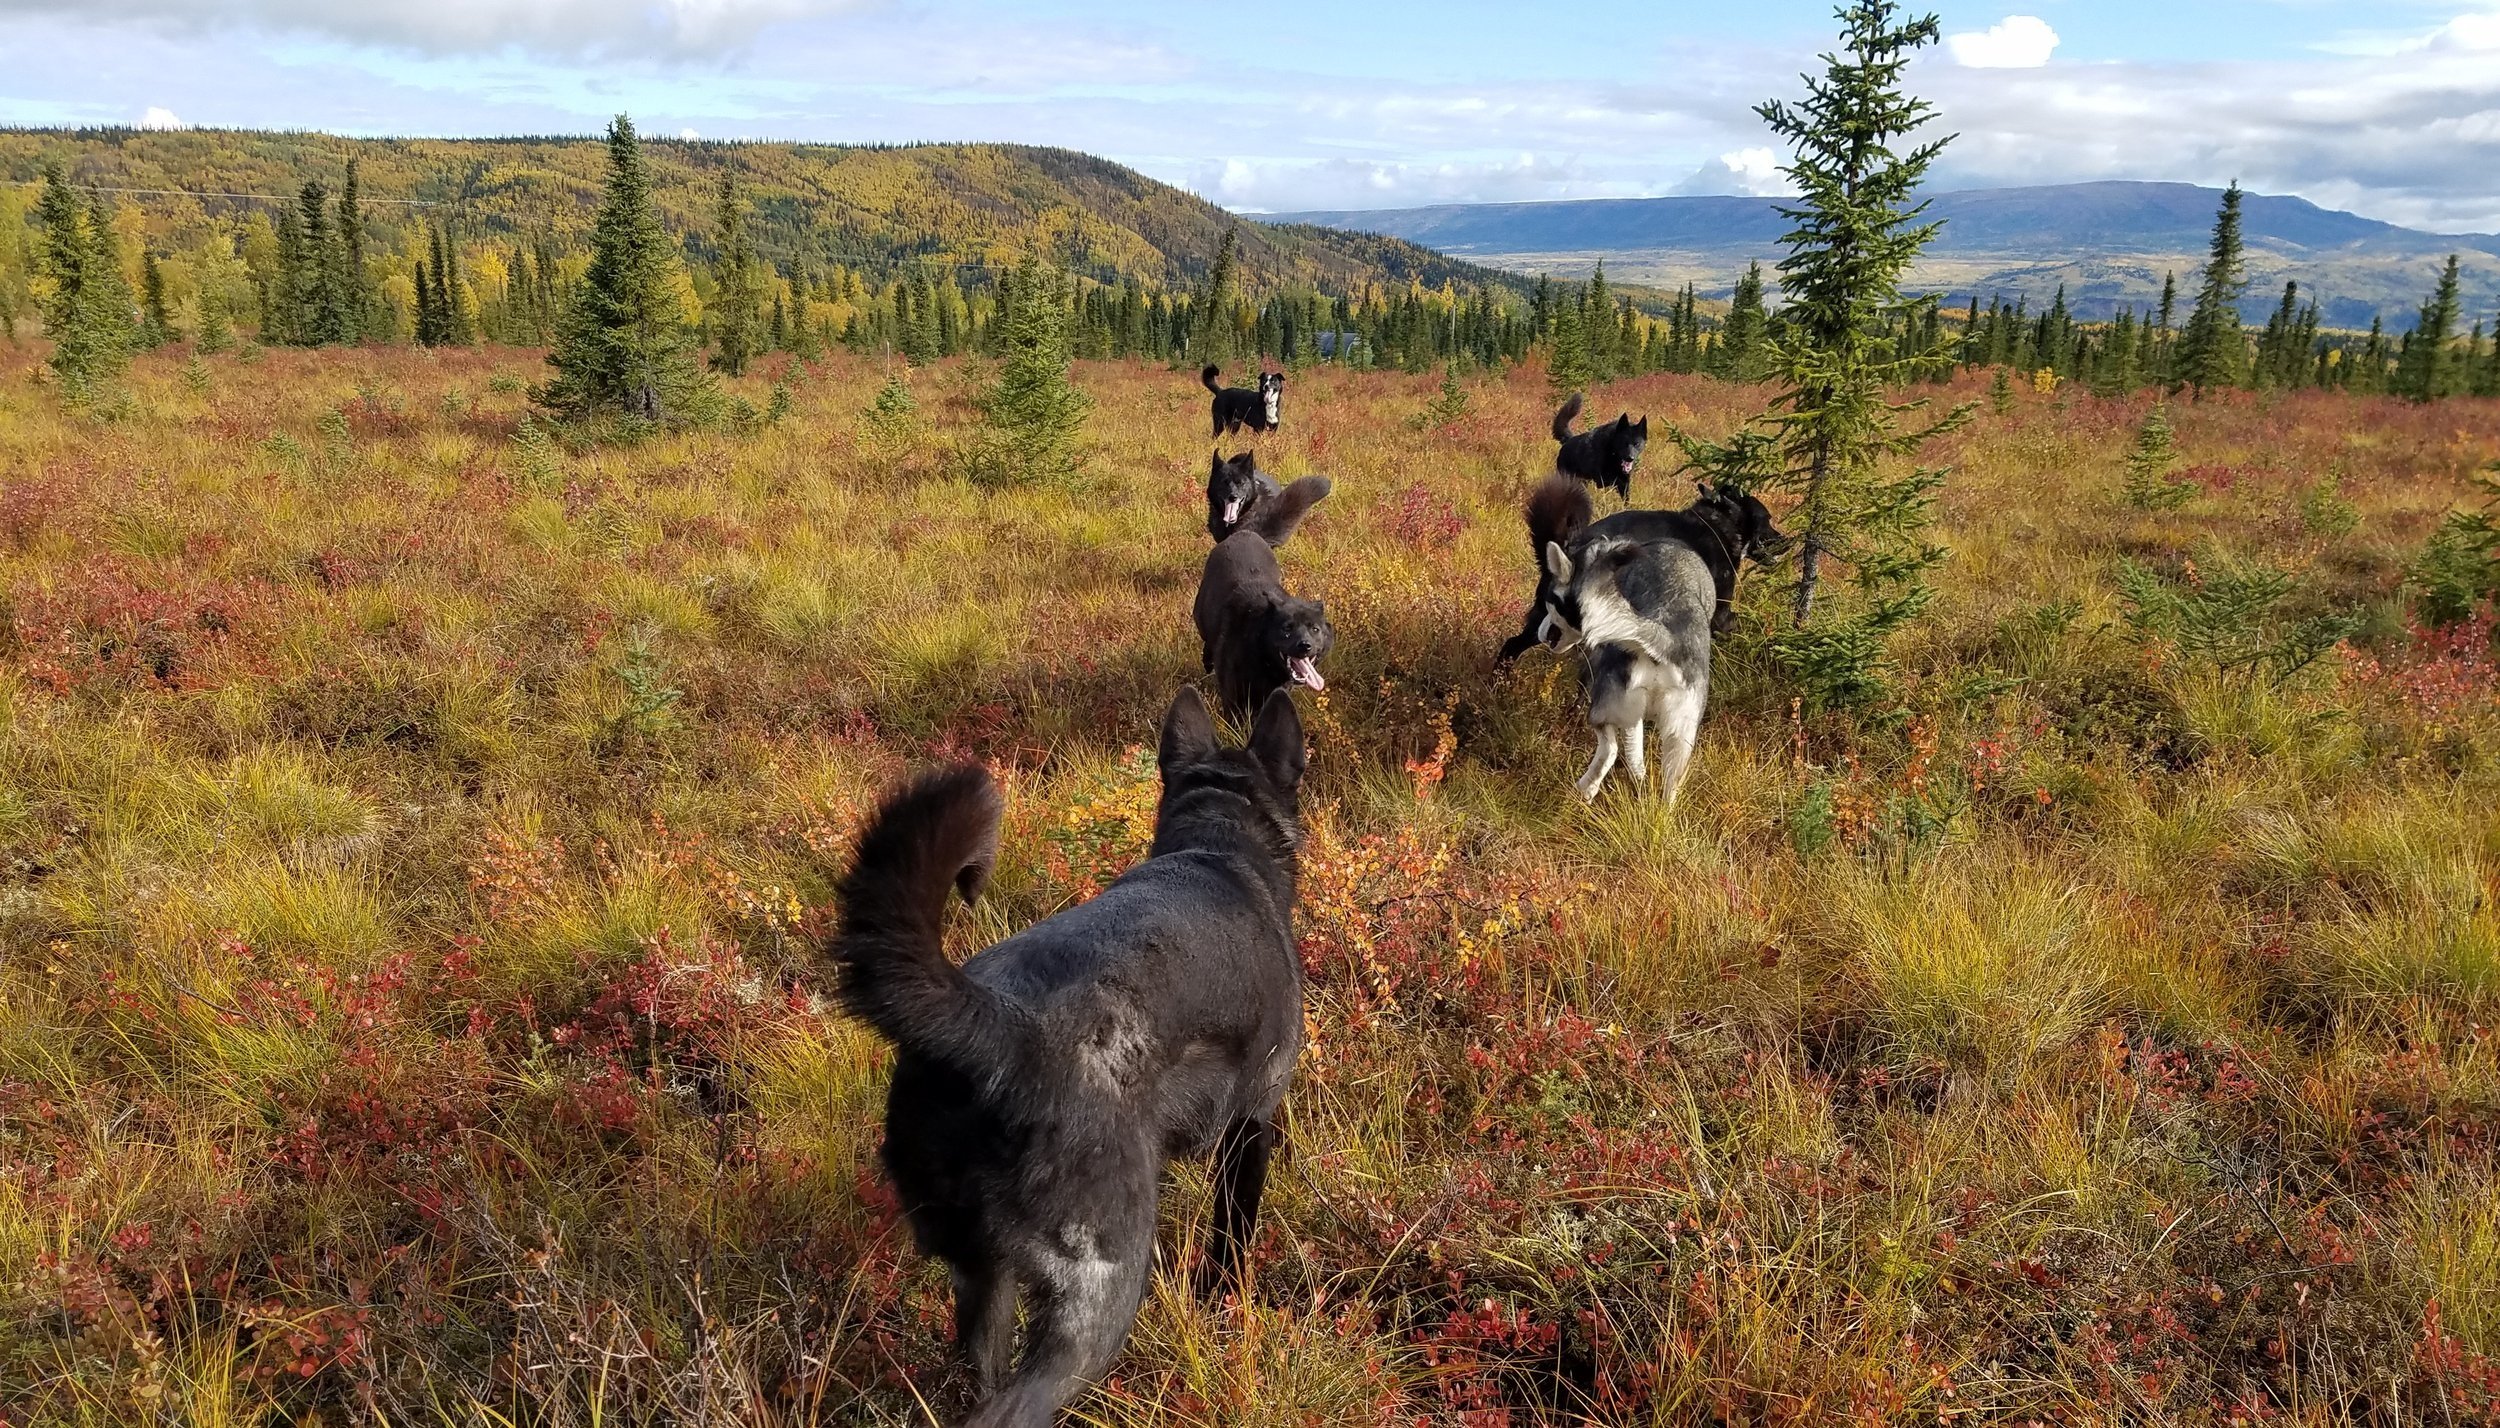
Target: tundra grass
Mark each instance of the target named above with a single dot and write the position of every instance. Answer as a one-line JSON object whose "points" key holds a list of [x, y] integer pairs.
{"points": [[413, 833]]}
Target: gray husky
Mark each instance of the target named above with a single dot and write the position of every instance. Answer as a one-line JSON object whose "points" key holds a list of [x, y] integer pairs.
{"points": [[1642, 593]]}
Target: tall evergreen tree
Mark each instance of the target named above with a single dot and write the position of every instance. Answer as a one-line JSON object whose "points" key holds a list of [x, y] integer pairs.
{"points": [[88, 314], [1857, 229], [622, 346], [738, 284], [2426, 373], [355, 284], [320, 307], [1034, 412], [156, 324], [1597, 326], [2211, 352], [1211, 315], [1739, 352]]}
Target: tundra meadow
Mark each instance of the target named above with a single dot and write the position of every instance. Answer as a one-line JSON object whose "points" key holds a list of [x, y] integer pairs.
{"points": [[416, 830]]}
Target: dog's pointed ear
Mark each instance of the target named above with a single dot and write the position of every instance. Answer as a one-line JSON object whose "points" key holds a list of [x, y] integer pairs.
{"points": [[1188, 732], [1276, 743], [1215, 462], [1558, 564]]}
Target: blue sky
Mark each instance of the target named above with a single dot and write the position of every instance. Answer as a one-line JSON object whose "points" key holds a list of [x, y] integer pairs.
{"points": [[2390, 109]]}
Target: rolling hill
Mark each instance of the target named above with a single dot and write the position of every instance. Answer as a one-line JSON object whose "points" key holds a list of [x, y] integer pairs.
{"points": [[873, 208], [2109, 243]]}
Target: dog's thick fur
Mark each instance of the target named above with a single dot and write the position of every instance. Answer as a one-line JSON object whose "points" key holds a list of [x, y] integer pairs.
{"points": [[1259, 409], [1643, 613], [1040, 1087], [1252, 636], [1643, 591], [1557, 510], [1602, 455], [1242, 497], [1724, 527]]}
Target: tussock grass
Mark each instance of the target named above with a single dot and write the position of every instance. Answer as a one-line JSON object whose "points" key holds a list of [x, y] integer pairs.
{"points": [[407, 1010]]}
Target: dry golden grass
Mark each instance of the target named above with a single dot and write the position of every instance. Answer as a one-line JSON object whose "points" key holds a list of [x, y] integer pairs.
{"points": [[413, 846]]}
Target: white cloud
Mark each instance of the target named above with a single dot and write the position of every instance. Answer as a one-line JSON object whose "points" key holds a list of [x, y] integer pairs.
{"points": [[160, 117], [560, 27], [2015, 42], [688, 134], [1753, 172]]}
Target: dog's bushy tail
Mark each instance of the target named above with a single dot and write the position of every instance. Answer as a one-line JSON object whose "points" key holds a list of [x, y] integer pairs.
{"points": [[1556, 511], [936, 834], [1277, 519], [1563, 419], [1207, 376]]}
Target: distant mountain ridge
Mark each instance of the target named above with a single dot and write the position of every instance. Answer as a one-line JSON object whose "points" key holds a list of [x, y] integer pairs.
{"points": [[881, 208], [2109, 242]]}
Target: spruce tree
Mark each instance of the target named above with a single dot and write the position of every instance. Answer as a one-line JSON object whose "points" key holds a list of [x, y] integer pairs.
{"points": [[354, 284], [1857, 231], [2424, 375], [1831, 434], [1567, 367], [1211, 316], [2275, 347], [1597, 326], [622, 348], [737, 298], [2211, 352], [320, 307], [156, 325], [2148, 485], [1739, 353], [1034, 413], [88, 314]]}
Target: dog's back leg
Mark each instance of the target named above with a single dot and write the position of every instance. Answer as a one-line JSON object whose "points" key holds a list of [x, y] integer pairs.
{"points": [[1084, 1300], [985, 1322], [1679, 728], [1636, 754], [1601, 764], [1240, 1179]]}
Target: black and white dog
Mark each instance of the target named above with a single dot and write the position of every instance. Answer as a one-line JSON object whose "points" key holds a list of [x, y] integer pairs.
{"points": [[1242, 497], [1641, 592], [1602, 455], [1728, 527], [1238, 407], [1040, 1087], [1252, 636]]}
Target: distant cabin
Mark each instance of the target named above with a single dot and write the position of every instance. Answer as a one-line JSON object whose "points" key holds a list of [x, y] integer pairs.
{"points": [[1331, 344]]}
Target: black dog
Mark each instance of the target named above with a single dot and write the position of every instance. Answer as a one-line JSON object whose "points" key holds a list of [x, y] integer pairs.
{"points": [[1238, 407], [1602, 455], [1242, 497], [1253, 637], [1040, 1087], [1725, 528]]}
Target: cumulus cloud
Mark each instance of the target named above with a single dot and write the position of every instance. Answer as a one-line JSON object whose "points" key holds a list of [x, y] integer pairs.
{"points": [[2015, 42], [661, 28], [158, 116], [1752, 172]]}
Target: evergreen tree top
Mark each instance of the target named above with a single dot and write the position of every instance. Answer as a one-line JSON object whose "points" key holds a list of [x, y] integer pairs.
{"points": [[1857, 226]]}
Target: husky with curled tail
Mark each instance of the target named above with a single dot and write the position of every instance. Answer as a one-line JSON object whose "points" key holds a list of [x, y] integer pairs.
{"points": [[1242, 497], [1642, 592], [1040, 1086]]}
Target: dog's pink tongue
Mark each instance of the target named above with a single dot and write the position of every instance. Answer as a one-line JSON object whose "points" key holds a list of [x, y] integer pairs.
{"points": [[1305, 671], [1627, 466], [1231, 510]]}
